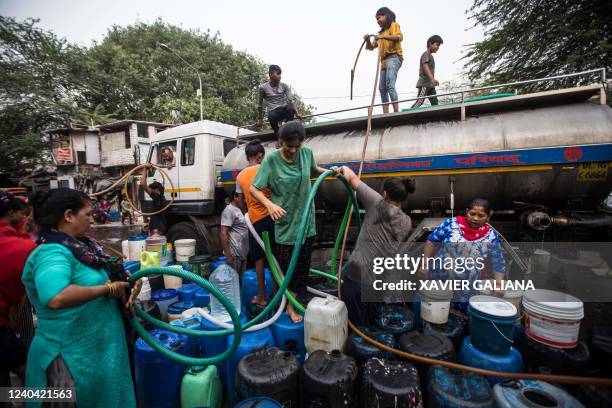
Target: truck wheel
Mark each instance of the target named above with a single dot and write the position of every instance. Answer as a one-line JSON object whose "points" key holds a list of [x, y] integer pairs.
{"points": [[185, 230]]}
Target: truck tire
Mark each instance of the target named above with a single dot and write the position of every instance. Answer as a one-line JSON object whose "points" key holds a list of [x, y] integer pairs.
{"points": [[185, 230]]}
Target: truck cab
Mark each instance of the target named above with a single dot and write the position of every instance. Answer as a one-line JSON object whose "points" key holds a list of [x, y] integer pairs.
{"points": [[198, 150]]}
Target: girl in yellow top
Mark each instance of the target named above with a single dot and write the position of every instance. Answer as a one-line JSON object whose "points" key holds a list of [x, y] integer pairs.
{"points": [[389, 40]]}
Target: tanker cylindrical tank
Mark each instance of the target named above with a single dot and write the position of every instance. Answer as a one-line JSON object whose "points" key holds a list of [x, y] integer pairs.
{"points": [[531, 155]]}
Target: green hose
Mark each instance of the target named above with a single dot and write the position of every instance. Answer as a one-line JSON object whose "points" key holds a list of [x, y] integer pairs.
{"points": [[181, 330], [324, 274], [238, 327], [345, 219], [300, 238], [276, 274]]}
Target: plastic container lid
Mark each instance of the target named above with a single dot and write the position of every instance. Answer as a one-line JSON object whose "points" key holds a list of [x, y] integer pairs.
{"points": [[184, 242], [200, 258], [160, 295], [167, 339], [553, 304], [259, 402], [493, 306], [137, 238], [179, 307], [438, 294]]}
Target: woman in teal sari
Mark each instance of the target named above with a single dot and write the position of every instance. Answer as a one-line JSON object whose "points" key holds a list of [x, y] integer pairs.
{"points": [[80, 339]]}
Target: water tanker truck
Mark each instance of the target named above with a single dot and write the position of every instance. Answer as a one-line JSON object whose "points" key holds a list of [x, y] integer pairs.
{"points": [[542, 159]]}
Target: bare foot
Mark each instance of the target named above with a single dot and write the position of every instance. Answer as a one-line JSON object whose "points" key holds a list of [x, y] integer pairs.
{"points": [[293, 315], [260, 300]]}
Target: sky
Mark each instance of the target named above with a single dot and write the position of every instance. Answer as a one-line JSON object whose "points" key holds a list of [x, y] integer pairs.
{"points": [[315, 42]]}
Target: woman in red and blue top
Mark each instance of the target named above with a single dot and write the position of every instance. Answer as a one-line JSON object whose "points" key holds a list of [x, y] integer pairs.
{"points": [[468, 236]]}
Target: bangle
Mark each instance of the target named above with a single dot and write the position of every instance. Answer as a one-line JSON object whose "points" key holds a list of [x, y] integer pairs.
{"points": [[110, 290]]}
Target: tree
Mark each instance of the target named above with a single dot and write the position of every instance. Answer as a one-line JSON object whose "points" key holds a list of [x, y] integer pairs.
{"points": [[139, 80], [41, 82], [528, 39], [46, 82]]}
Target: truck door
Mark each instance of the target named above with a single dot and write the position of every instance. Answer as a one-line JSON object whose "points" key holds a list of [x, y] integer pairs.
{"points": [[171, 168], [191, 161]]}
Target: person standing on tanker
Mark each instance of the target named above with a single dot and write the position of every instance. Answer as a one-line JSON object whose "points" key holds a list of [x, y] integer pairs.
{"points": [[468, 237], [258, 214], [275, 92], [388, 41], [286, 172], [427, 83], [384, 228]]}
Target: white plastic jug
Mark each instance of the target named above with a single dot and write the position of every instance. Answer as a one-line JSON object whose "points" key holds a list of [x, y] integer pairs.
{"points": [[145, 291], [325, 324]]}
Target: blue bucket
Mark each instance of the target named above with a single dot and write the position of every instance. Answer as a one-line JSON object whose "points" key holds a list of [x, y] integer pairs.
{"points": [[492, 324]]}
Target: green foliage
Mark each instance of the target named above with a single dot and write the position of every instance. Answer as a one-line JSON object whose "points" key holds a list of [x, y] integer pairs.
{"points": [[143, 81], [528, 39], [46, 82], [41, 77]]}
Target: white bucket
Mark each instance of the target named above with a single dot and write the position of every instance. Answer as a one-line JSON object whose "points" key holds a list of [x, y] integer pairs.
{"points": [[173, 282], [184, 249], [135, 246], [512, 296], [540, 261], [552, 318], [435, 305], [125, 249], [145, 291]]}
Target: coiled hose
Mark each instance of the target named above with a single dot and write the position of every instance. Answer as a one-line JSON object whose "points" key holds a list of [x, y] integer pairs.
{"points": [[125, 178], [237, 328]]}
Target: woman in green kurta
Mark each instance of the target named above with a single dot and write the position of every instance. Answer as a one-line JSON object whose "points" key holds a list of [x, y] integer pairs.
{"points": [[287, 172], [80, 339]]}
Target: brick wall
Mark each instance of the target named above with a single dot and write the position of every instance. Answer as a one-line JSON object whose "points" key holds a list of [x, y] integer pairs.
{"points": [[113, 151]]}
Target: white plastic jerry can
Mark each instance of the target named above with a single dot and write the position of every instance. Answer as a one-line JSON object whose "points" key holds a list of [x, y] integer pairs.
{"points": [[325, 324]]}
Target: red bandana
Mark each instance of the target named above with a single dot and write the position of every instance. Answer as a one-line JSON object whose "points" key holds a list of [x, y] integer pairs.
{"points": [[470, 233]]}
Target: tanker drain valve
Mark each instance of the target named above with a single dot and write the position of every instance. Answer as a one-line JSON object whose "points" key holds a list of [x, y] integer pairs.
{"points": [[539, 220]]}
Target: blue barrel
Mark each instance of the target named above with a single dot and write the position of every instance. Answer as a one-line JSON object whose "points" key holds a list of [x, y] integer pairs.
{"points": [[176, 309], [158, 379], [395, 318], [201, 298], [214, 345], [530, 393], [187, 292], [250, 287], [131, 266], [453, 388], [473, 357], [357, 347], [289, 336], [249, 343], [193, 322], [259, 402], [492, 324], [454, 329]]}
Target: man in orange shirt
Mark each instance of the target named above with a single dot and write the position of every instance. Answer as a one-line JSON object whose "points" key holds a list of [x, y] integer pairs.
{"points": [[258, 214]]}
